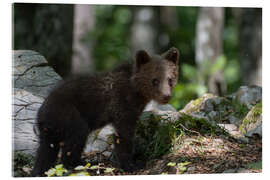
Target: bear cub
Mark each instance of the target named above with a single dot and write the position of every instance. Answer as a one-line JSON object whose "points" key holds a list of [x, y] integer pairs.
{"points": [[80, 105]]}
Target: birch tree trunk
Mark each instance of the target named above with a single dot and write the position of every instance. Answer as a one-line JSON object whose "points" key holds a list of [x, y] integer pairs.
{"points": [[84, 21], [209, 44], [143, 33]]}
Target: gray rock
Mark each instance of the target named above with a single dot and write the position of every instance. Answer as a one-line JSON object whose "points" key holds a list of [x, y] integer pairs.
{"points": [[257, 130], [197, 104], [191, 168], [242, 139], [166, 116], [164, 112], [249, 95], [25, 107], [252, 123], [214, 115], [231, 129], [210, 106], [230, 171], [32, 73], [234, 120], [106, 132], [154, 106], [96, 145], [107, 153], [32, 80], [100, 140]]}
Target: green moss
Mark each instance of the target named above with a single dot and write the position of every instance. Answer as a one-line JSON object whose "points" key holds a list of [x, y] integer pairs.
{"points": [[257, 111], [152, 138], [240, 111], [255, 165], [195, 104], [197, 101], [198, 124], [21, 160], [252, 117]]}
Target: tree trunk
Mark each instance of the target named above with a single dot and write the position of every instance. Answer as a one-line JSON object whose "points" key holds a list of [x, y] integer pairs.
{"points": [[47, 29], [143, 33], [84, 21], [251, 45], [209, 45], [168, 25]]}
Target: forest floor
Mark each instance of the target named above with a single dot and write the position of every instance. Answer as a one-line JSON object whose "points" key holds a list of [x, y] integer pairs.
{"points": [[192, 155], [203, 155], [197, 155]]}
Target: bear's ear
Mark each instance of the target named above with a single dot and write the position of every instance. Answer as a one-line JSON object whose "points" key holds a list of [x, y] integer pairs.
{"points": [[171, 55], [141, 58]]}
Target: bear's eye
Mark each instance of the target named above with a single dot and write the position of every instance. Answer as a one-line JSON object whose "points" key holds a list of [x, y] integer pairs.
{"points": [[170, 82], [155, 82]]}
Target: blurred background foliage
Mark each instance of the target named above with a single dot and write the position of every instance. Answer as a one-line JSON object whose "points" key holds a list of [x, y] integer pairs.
{"points": [[117, 32]]}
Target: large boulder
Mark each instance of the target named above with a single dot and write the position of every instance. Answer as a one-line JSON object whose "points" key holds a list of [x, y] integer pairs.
{"points": [[32, 79], [25, 106], [213, 108], [32, 73], [249, 95]]}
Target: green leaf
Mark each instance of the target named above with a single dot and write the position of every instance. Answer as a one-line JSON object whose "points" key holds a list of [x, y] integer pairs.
{"points": [[80, 174], [51, 172], [59, 166], [94, 167], [172, 164], [79, 168], [87, 165], [182, 168], [60, 172], [184, 163], [109, 170]]}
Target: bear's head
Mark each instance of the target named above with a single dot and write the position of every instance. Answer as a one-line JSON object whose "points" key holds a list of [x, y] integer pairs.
{"points": [[155, 76]]}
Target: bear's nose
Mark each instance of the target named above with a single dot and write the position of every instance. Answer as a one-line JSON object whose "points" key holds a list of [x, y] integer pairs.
{"points": [[167, 98]]}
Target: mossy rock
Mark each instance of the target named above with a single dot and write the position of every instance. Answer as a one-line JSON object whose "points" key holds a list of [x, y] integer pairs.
{"points": [[157, 133], [195, 105], [211, 107], [252, 123]]}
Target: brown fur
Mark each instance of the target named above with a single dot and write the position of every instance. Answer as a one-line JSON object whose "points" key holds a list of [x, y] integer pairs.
{"points": [[81, 105]]}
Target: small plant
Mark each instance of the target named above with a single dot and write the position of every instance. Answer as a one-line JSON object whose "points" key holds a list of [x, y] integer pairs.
{"points": [[59, 170], [240, 111], [22, 164], [180, 167]]}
